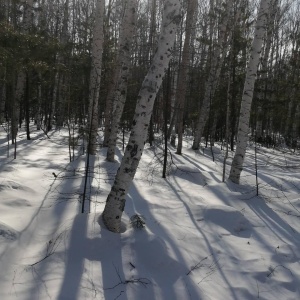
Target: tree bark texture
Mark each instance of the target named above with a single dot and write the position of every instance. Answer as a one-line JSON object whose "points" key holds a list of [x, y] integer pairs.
{"points": [[127, 30], [21, 77], [251, 71], [116, 199], [214, 74], [183, 71], [261, 95], [95, 77]]}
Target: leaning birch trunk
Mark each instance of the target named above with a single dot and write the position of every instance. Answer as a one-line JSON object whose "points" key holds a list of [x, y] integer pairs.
{"points": [[127, 30], [95, 77], [116, 199], [243, 127], [183, 71], [213, 77]]}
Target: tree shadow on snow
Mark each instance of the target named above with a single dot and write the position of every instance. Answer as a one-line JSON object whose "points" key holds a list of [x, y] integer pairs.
{"points": [[157, 255]]}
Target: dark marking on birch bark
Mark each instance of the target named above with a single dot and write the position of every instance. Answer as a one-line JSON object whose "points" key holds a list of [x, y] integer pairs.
{"points": [[122, 204], [133, 152]]}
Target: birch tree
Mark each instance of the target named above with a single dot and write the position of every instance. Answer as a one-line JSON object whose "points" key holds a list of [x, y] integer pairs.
{"points": [[251, 71], [127, 30], [261, 95], [61, 78], [95, 77], [183, 71], [116, 199], [214, 74]]}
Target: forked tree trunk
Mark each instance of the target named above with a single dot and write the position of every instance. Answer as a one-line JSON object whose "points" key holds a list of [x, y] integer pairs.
{"points": [[243, 127], [116, 199], [95, 78]]}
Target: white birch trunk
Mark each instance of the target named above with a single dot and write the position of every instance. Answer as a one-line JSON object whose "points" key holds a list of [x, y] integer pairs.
{"points": [[213, 77], [126, 35], [243, 127], [95, 77], [116, 199]]}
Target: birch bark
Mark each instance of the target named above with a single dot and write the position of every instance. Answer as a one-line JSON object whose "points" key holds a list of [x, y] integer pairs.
{"points": [[251, 71], [95, 77], [127, 30], [183, 71], [213, 77], [261, 95], [116, 199]]}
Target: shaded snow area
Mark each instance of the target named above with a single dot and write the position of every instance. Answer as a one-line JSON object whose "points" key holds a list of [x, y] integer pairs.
{"points": [[203, 239]]}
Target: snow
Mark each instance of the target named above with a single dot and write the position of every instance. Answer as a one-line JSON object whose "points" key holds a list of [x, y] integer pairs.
{"points": [[203, 239]]}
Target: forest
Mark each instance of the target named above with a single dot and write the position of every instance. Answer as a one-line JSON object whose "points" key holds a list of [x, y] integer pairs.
{"points": [[156, 130]]}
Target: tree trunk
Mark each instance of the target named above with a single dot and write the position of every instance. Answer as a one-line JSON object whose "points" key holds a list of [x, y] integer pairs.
{"points": [[21, 78], [2, 100], [127, 30], [183, 71], [116, 199], [243, 127], [95, 77], [214, 74], [61, 97], [261, 95]]}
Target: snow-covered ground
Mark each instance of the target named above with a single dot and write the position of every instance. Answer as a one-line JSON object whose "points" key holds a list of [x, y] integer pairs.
{"points": [[203, 239]]}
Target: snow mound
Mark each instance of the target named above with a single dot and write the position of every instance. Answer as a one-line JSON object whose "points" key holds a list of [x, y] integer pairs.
{"points": [[7, 233], [188, 172], [7, 185], [17, 203], [7, 168], [228, 219]]}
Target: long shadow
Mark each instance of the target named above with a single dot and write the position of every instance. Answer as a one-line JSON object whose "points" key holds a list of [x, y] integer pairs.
{"points": [[201, 168], [161, 269], [31, 229], [74, 268], [281, 230], [207, 242], [105, 248], [58, 210]]}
